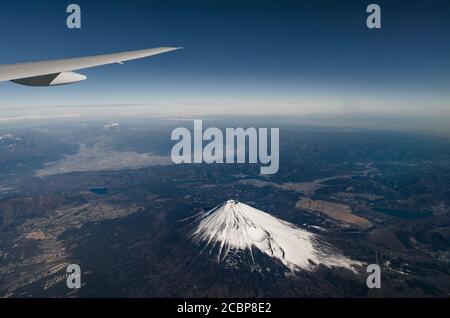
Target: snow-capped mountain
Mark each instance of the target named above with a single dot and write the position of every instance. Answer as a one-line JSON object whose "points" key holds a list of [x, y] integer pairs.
{"points": [[111, 125], [235, 226], [9, 137]]}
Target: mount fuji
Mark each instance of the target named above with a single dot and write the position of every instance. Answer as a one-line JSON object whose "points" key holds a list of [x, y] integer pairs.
{"points": [[234, 226]]}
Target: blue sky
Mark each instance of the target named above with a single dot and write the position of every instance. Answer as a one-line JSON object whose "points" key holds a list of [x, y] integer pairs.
{"points": [[293, 56]]}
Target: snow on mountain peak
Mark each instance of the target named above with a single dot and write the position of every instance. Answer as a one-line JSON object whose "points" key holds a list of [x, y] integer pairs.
{"points": [[236, 226]]}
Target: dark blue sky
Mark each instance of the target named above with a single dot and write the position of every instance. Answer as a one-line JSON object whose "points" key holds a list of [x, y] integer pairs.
{"points": [[240, 52]]}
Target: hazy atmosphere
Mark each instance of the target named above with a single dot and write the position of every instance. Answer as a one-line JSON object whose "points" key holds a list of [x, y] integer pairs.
{"points": [[256, 57]]}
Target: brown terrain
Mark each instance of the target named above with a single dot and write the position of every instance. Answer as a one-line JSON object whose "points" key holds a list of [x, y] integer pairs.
{"points": [[337, 211]]}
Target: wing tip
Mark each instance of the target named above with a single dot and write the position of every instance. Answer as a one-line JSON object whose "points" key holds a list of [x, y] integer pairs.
{"points": [[167, 49], [175, 48]]}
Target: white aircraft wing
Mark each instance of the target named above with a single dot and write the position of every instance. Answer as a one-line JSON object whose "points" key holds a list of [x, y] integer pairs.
{"points": [[60, 72]]}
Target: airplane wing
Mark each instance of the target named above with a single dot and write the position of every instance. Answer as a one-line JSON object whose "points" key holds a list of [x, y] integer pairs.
{"points": [[60, 72]]}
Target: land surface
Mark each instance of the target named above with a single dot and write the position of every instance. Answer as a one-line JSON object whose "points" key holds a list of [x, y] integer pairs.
{"points": [[110, 201]]}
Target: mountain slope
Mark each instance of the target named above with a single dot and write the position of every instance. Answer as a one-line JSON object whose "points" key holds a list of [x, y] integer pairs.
{"points": [[236, 226]]}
